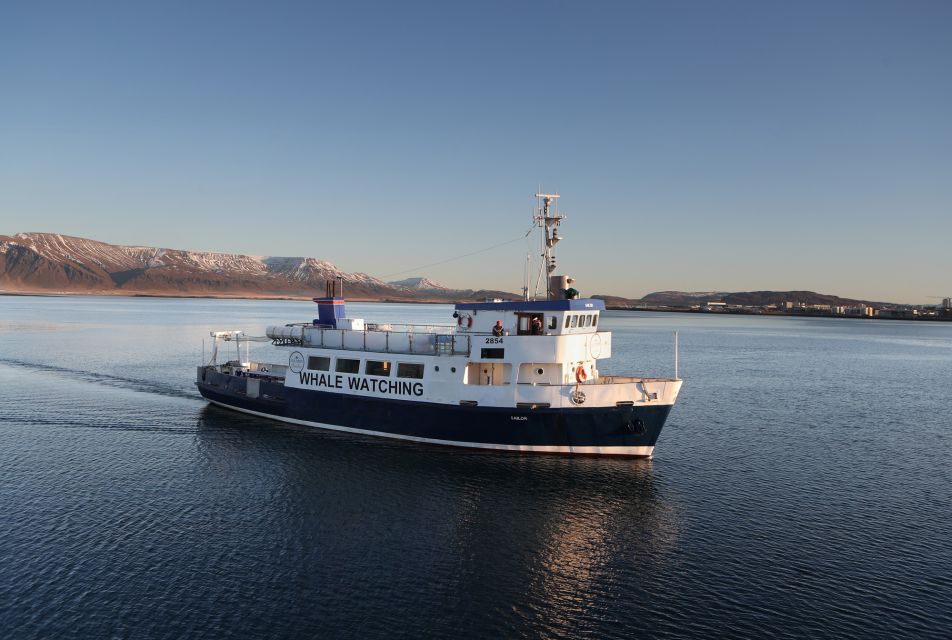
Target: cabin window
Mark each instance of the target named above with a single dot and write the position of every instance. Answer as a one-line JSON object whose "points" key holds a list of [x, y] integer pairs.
{"points": [[526, 321], [410, 370], [553, 323], [346, 365], [595, 320], [377, 368], [574, 321], [493, 354], [319, 363], [588, 319]]}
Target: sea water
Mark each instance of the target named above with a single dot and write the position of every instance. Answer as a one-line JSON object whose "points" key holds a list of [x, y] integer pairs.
{"points": [[801, 488]]}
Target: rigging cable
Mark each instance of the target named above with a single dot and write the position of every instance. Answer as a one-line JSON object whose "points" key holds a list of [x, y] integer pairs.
{"points": [[465, 255]]}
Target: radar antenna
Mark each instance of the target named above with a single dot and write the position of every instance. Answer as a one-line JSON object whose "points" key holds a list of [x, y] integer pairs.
{"points": [[547, 217]]}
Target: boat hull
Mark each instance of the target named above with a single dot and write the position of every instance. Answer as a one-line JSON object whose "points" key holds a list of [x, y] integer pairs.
{"points": [[616, 430]]}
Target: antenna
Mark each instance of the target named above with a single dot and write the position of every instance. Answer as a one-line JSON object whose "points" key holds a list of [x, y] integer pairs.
{"points": [[548, 218], [525, 288]]}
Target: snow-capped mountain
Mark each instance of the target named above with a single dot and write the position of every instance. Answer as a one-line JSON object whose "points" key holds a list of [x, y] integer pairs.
{"points": [[419, 284], [49, 262]]}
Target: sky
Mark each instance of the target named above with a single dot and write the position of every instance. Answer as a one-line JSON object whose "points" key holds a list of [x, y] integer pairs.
{"points": [[697, 146]]}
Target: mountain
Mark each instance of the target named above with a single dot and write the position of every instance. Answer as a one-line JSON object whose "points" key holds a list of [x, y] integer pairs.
{"points": [[54, 263], [48, 262], [682, 298], [419, 284], [737, 298]]}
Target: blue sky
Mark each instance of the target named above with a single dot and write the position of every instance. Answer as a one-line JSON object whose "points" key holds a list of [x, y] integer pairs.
{"points": [[697, 145]]}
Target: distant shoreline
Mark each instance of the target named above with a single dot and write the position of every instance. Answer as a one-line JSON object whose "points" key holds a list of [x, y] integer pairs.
{"points": [[64, 294], [806, 314]]}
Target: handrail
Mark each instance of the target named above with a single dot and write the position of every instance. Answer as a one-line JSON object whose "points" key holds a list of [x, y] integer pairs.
{"points": [[380, 327], [384, 341], [606, 380]]}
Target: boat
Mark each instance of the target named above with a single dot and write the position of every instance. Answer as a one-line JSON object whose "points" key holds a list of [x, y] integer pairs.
{"points": [[509, 375]]}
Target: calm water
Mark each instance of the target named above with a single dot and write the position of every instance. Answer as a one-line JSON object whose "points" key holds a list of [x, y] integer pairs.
{"points": [[802, 488]]}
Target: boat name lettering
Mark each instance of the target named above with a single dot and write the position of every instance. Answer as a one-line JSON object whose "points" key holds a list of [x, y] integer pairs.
{"points": [[518, 417], [372, 385], [493, 340], [322, 380]]}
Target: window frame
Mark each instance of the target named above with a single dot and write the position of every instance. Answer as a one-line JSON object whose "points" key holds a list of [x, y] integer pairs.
{"points": [[312, 359], [422, 370], [339, 361], [384, 366]]}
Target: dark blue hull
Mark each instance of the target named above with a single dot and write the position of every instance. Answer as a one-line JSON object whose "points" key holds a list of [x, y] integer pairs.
{"points": [[624, 430]]}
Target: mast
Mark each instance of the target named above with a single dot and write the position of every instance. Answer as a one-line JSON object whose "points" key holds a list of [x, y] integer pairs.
{"points": [[525, 287], [547, 217]]}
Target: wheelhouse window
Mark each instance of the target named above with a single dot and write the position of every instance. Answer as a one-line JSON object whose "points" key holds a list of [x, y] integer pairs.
{"points": [[346, 365], [574, 322], [595, 320], [553, 323], [530, 324], [410, 370], [319, 363], [377, 368]]}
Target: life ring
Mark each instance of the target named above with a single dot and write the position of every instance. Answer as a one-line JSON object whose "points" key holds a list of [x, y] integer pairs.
{"points": [[459, 321], [580, 375]]}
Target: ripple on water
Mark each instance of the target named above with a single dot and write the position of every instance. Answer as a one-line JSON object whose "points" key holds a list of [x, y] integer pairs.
{"points": [[801, 489]]}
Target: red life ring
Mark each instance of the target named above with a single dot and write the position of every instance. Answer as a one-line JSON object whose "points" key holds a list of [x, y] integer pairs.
{"points": [[580, 375], [459, 321]]}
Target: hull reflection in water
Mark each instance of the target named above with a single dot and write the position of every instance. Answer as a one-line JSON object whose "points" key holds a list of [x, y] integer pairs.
{"points": [[539, 537]]}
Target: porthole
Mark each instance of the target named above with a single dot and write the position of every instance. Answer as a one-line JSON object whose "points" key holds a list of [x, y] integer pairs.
{"points": [[436, 368], [540, 371], [452, 369]]}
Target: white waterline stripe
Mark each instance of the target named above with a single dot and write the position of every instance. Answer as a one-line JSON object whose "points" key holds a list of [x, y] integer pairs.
{"points": [[641, 452]]}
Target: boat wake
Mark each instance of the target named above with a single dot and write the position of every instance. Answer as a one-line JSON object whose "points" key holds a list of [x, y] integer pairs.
{"points": [[105, 379]]}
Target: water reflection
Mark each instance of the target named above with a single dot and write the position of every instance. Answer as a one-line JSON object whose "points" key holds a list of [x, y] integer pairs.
{"points": [[514, 537]]}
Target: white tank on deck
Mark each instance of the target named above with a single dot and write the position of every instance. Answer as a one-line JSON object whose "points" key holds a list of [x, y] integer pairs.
{"points": [[285, 333]]}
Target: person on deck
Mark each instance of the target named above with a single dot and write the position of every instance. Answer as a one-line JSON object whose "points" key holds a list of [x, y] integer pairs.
{"points": [[497, 330], [535, 327]]}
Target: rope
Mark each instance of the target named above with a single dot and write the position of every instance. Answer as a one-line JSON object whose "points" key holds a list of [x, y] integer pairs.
{"points": [[459, 257]]}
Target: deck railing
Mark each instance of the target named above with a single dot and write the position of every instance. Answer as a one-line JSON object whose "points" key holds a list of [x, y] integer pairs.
{"points": [[421, 339]]}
